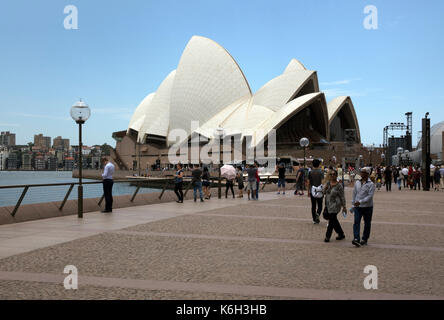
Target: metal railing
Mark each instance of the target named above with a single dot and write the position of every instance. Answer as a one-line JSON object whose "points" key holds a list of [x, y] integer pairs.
{"points": [[139, 183], [71, 185]]}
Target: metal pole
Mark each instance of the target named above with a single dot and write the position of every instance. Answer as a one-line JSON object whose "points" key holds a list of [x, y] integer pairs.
{"points": [[219, 186], [80, 187]]}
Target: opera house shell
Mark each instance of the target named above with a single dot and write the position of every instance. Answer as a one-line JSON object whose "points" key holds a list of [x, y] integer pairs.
{"points": [[208, 86]]}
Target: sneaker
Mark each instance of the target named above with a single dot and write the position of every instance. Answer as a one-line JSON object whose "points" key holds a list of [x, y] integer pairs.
{"points": [[340, 237], [356, 243], [326, 240], [201, 200], [194, 199], [363, 242], [278, 193]]}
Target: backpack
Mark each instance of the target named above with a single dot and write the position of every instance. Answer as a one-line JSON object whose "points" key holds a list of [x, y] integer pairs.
{"points": [[317, 192]]}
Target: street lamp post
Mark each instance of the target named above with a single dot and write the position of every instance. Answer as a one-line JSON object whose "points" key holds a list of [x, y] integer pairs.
{"points": [[304, 142], [371, 148], [360, 160], [383, 159], [80, 112], [220, 134]]}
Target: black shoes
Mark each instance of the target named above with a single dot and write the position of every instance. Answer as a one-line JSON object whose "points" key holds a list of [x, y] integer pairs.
{"points": [[363, 242], [340, 237], [201, 200], [356, 243], [106, 211], [179, 201], [326, 240]]}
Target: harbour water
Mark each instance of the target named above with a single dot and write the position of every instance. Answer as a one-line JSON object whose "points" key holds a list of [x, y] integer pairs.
{"points": [[9, 197]]}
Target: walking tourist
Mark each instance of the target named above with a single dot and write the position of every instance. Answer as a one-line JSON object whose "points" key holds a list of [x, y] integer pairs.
{"points": [[107, 175], [398, 177], [240, 181], [334, 201], [229, 186], [258, 180], [437, 179], [178, 183], [388, 178], [315, 191], [362, 201], [281, 178], [405, 176], [300, 178], [251, 170], [410, 178], [206, 183], [197, 182], [441, 170], [417, 178], [432, 175]]}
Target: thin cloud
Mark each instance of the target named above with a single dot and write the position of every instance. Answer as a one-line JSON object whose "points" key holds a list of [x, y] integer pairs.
{"points": [[38, 116], [3, 124], [339, 82]]}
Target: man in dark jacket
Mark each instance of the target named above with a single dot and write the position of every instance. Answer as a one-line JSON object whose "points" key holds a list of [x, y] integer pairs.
{"points": [[315, 178]]}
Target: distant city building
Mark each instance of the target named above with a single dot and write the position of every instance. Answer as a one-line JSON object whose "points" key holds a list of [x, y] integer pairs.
{"points": [[40, 163], [41, 141], [26, 161], [3, 159], [7, 138], [52, 163], [69, 163], [60, 144], [12, 161]]}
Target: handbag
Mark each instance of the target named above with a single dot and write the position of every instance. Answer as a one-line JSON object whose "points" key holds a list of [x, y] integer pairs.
{"points": [[325, 214]]}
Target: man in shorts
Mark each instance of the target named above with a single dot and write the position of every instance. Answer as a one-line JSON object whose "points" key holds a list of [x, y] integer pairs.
{"points": [[281, 178], [251, 171]]}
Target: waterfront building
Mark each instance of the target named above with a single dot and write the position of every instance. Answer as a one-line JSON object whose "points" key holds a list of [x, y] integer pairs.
{"points": [[60, 144], [42, 141], [26, 161], [3, 159], [7, 138]]}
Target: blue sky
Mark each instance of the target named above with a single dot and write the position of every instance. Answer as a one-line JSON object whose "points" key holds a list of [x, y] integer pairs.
{"points": [[124, 49]]}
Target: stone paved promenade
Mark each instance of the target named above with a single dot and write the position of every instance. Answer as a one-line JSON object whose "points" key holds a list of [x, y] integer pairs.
{"points": [[228, 249]]}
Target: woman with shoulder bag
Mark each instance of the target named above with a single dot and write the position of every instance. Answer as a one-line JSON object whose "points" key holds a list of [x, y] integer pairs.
{"points": [[334, 201]]}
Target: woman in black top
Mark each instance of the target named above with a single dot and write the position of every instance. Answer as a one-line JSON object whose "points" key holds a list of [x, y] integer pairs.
{"points": [[206, 183], [178, 183]]}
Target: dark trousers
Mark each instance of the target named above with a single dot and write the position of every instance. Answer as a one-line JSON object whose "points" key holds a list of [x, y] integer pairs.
{"points": [[316, 202], [178, 190], [388, 185], [417, 183], [108, 193], [333, 224], [229, 185], [360, 213]]}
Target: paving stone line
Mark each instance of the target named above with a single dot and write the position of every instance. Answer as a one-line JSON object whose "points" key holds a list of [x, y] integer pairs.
{"points": [[296, 293], [235, 238]]}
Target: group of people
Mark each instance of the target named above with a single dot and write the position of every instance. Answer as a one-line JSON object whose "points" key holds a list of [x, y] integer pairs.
{"points": [[407, 177], [329, 192], [201, 182]]}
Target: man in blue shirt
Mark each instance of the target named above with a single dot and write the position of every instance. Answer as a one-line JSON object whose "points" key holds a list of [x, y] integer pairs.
{"points": [[107, 175], [363, 204]]}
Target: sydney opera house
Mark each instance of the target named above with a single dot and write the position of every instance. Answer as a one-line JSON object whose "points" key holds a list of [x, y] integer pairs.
{"points": [[209, 88]]}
